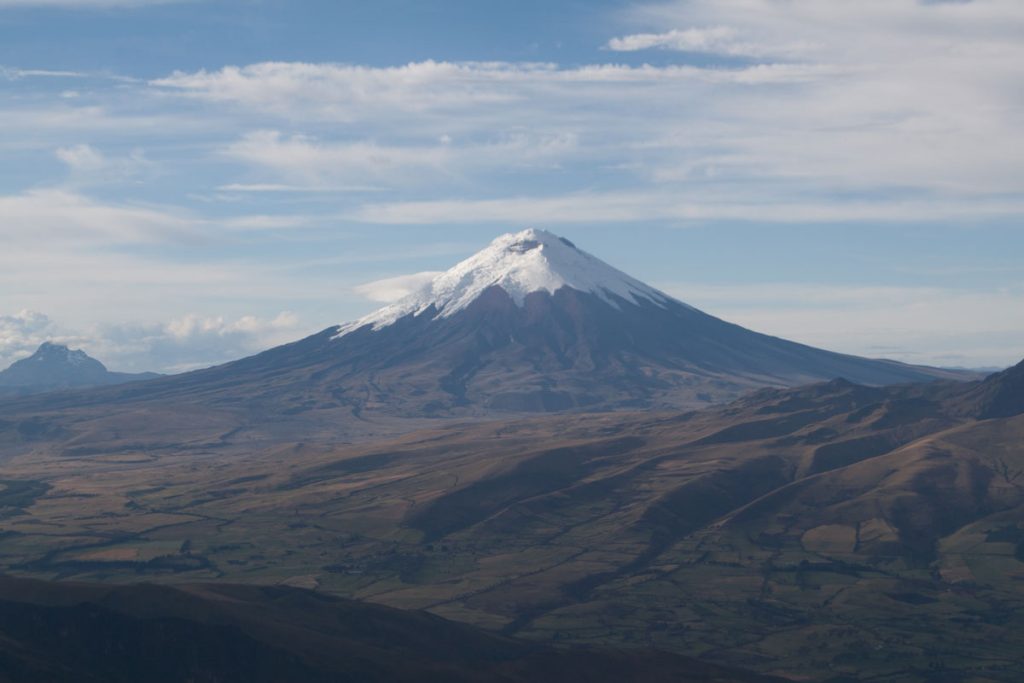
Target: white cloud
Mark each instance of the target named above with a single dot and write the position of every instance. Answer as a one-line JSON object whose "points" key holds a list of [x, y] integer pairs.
{"points": [[394, 288], [341, 92], [282, 187], [889, 108], [81, 157], [52, 220], [193, 341], [868, 31], [83, 260], [722, 40], [56, 216], [304, 158], [11, 73], [183, 343], [927, 100], [314, 164], [21, 333], [683, 206], [88, 166], [265, 222]]}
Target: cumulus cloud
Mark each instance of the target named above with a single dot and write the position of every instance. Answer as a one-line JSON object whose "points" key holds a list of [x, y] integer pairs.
{"points": [[21, 333], [89, 166], [81, 157], [394, 288], [194, 341], [184, 343]]}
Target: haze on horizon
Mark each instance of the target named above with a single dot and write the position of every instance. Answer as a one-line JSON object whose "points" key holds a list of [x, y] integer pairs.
{"points": [[189, 182]]}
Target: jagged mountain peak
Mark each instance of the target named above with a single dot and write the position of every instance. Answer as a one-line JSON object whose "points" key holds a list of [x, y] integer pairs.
{"points": [[60, 353], [55, 366], [519, 263]]}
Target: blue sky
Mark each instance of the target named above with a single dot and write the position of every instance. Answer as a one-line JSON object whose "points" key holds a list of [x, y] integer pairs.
{"points": [[187, 182]]}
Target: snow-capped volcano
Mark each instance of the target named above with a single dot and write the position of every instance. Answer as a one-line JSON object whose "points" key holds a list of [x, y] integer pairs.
{"points": [[530, 323], [520, 264]]}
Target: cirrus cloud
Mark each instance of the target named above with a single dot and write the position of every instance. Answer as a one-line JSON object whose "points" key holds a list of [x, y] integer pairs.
{"points": [[722, 40]]}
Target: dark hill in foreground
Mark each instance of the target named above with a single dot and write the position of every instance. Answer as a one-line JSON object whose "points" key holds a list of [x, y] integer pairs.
{"points": [[55, 632]]}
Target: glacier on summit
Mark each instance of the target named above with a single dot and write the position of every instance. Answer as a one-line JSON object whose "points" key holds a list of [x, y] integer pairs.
{"points": [[520, 263]]}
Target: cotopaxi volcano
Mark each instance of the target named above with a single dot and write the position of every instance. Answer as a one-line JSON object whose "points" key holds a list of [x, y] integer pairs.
{"points": [[530, 323]]}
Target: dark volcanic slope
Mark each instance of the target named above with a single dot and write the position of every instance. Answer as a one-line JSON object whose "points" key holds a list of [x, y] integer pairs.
{"points": [[55, 632], [572, 349]]}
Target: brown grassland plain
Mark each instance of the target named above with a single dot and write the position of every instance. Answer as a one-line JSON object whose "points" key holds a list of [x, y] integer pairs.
{"points": [[816, 533]]}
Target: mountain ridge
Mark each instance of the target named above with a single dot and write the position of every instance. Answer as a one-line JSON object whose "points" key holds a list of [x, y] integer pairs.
{"points": [[54, 367], [70, 631]]}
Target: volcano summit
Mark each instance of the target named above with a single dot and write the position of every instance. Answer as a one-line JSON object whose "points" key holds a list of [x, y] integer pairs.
{"points": [[534, 323]]}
